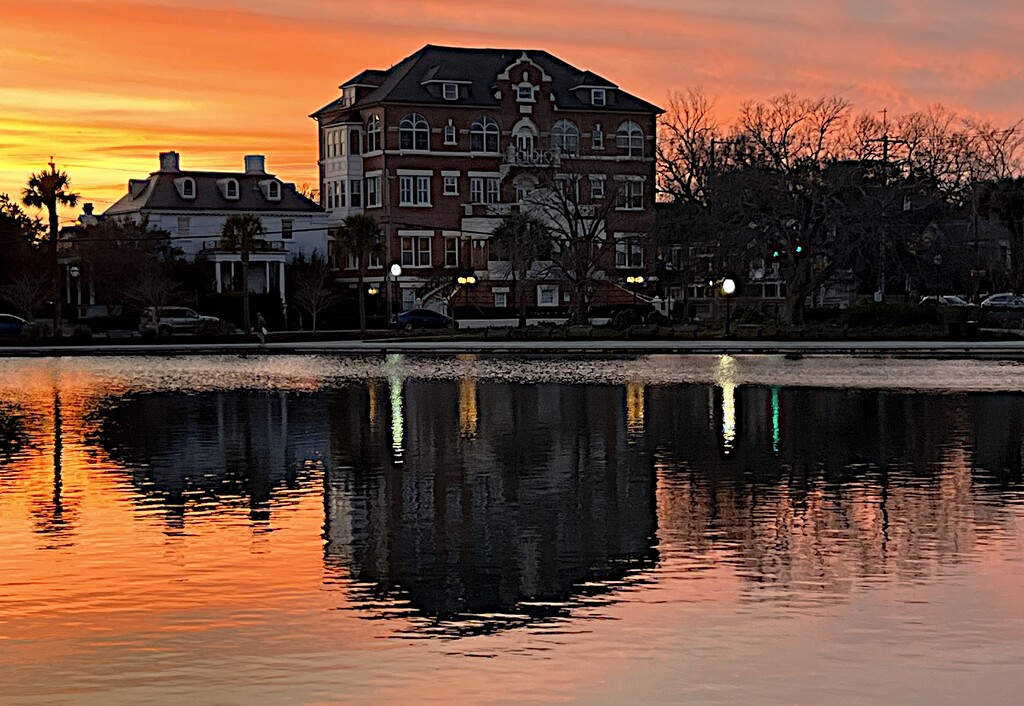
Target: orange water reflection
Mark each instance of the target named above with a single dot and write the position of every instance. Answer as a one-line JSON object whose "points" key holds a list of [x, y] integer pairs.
{"points": [[173, 529]]}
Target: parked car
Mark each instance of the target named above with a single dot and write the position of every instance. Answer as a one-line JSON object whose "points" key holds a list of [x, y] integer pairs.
{"points": [[1005, 300], [171, 320], [944, 300], [422, 318], [11, 325]]}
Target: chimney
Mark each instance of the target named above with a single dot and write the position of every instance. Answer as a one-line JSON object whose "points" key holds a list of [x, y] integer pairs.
{"points": [[255, 164], [169, 162]]}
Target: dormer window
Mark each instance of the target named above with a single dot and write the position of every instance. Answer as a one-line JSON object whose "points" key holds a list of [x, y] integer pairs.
{"points": [[186, 187], [229, 187], [450, 91], [524, 93], [598, 97], [271, 189]]}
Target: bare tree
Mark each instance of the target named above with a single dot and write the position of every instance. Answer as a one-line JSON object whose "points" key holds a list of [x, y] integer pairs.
{"points": [[28, 293], [311, 285], [685, 148], [580, 245]]}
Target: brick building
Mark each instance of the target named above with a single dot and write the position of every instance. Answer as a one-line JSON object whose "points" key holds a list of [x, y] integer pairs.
{"points": [[442, 146]]}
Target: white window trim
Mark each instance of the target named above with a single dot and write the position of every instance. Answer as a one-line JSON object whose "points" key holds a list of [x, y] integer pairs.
{"points": [[415, 234], [451, 135], [533, 92], [547, 287], [594, 93], [454, 180], [376, 178], [446, 87]]}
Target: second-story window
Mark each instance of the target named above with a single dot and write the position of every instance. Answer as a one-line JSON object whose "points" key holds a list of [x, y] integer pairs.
{"points": [[286, 229], [414, 133], [597, 138], [565, 137], [354, 142], [449, 134], [483, 135], [373, 134], [355, 193]]}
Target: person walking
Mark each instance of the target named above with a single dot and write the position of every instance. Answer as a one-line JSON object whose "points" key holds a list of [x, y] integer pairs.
{"points": [[261, 327]]}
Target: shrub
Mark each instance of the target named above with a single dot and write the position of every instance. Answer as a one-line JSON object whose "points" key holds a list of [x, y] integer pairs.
{"points": [[865, 315], [36, 332], [625, 318], [81, 333], [215, 329]]}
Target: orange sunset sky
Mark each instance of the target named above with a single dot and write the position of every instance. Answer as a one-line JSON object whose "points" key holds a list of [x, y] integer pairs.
{"points": [[105, 86]]}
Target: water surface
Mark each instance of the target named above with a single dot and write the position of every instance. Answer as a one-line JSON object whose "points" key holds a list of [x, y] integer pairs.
{"points": [[648, 529]]}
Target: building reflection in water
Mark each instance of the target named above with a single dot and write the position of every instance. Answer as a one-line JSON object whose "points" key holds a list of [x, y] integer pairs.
{"points": [[512, 504], [199, 452], [463, 506]]}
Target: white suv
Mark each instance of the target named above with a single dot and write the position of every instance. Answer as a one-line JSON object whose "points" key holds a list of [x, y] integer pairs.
{"points": [[167, 320]]}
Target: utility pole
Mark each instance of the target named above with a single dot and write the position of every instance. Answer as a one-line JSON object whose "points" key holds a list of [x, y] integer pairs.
{"points": [[885, 140]]}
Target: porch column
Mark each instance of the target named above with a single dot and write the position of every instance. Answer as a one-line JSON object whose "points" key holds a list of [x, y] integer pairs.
{"points": [[280, 287], [216, 274], [266, 271]]}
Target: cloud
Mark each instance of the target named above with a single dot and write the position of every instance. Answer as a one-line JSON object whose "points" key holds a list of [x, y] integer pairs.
{"points": [[220, 78]]}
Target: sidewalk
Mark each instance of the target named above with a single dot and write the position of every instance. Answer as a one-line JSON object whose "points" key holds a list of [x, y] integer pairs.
{"points": [[1008, 350]]}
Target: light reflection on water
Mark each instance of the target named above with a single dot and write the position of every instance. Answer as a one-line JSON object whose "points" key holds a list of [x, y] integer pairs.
{"points": [[647, 529]]}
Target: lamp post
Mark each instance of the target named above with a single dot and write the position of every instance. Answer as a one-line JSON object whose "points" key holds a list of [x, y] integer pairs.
{"points": [[728, 289], [635, 283], [393, 273]]}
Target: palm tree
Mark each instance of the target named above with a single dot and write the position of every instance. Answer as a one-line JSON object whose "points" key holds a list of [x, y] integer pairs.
{"points": [[360, 236], [244, 233], [48, 189], [521, 240]]}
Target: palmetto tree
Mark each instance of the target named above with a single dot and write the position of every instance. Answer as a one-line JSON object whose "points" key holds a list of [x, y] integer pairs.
{"points": [[245, 234], [360, 236], [48, 189]]}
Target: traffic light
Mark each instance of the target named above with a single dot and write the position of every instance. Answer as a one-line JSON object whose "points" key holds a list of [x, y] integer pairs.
{"points": [[775, 253], [799, 249]]}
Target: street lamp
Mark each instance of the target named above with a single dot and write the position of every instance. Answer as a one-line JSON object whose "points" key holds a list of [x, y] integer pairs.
{"points": [[395, 272], [636, 283], [728, 288]]}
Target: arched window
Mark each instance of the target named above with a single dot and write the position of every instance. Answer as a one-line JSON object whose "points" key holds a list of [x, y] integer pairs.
{"points": [[526, 138], [483, 135], [565, 137], [630, 139], [414, 133], [373, 134]]}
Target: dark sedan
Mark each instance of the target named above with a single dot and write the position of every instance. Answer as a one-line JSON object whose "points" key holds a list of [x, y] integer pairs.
{"points": [[422, 318], [11, 325]]}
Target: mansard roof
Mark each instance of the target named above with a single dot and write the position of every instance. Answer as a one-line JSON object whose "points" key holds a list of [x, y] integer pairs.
{"points": [[479, 69], [160, 192]]}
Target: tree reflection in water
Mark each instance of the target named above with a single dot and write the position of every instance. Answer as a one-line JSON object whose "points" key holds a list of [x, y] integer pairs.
{"points": [[466, 506], [199, 452]]}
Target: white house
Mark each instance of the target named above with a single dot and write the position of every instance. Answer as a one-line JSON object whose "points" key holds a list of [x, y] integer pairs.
{"points": [[193, 205]]}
